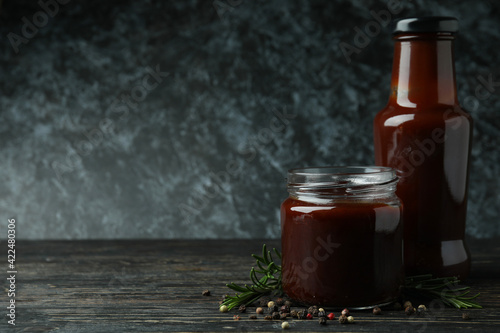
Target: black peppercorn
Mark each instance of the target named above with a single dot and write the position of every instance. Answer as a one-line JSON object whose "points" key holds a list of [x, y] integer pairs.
{"points": [[242, 308], [268, 317], [377, 310], [252, 317], [312, 309], [302, 314], [285, 309], [409, 310], [283, 316], [322, 320], [276, 315], [206, 292], [273, 309], [279, 301], [293, 313], [343, 319]]}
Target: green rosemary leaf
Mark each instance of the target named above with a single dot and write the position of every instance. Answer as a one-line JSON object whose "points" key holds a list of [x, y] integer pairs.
{"points": [[259, 259], [268, 283], [264, 254], [278, 253], [445, 289], [235, 287]]}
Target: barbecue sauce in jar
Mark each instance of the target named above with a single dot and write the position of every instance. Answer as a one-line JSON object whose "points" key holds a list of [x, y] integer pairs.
{"points": [[342, 237]]}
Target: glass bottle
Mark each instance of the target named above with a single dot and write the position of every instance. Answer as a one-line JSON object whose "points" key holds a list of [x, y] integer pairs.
{"points": [[425, 135], [341, 237]]}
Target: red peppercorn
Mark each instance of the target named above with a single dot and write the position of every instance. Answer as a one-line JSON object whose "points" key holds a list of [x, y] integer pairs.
{"points": [[309, 316], [331, 316]]}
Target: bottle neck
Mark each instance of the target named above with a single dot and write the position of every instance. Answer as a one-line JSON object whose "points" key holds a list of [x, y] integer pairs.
{"points": [[423, 72]]}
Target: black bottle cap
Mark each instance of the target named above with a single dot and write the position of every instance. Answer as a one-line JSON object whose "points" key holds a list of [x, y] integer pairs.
{"points": [[425, 24]]}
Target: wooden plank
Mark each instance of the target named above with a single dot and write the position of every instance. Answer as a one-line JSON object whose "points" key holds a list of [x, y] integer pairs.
{"points": [[156, 285]]}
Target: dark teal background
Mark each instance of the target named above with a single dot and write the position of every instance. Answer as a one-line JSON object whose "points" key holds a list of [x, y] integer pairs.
{"points": [[166, 119]]}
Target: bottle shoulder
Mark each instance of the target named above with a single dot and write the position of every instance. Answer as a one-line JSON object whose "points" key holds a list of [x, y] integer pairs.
{"points": [[393, 115]]}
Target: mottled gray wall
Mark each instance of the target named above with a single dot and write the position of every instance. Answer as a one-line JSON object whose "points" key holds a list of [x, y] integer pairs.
{"points": [[226, 96]]}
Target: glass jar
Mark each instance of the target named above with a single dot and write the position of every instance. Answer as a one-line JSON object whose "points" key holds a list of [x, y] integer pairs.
{"points": [[341, 237]]}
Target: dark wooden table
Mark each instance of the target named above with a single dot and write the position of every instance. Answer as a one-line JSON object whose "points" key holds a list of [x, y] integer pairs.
{"points": [[156, 286]]}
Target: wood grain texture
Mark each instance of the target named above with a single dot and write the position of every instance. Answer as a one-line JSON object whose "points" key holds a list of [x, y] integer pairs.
{"points": [[156, 286]]}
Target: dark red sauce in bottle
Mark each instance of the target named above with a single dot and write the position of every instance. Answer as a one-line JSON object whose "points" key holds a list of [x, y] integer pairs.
{"points": [[342, 237], [425, 135]]}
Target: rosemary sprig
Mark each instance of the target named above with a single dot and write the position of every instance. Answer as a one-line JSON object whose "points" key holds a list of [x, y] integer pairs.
{"points": [[445, 289], [269, 282]]}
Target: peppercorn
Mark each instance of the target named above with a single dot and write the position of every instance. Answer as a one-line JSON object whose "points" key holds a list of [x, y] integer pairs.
{"points": [[343, 319], [407, 304], [288, 303], [272, 307], [465, 316], [268, 317], [322, 320], [302, 314], [279, 301], [350, 319], [236, 317], [345, 312], [421, 309], [331, 316], [276, 315], [223, 308], [285, 325], [321, 313], [252, 317], [409, 310], [397, 306], [377, 310], [293, 313], [206, 292], [271, 310], [311, 309], [259, 310], [283, 316], [285, 309], [242, 308], [309, 316]]}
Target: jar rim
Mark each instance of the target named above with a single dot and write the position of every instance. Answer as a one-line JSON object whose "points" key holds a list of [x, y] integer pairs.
{"points": [[340, 176]]}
